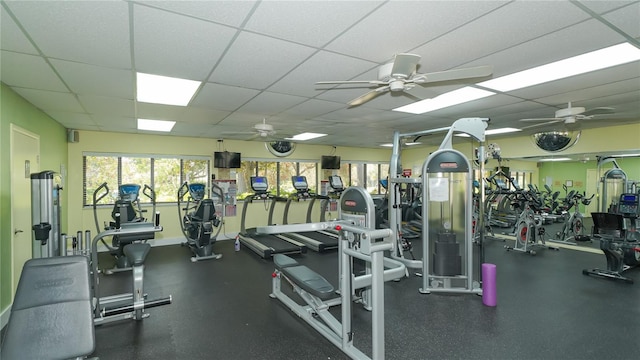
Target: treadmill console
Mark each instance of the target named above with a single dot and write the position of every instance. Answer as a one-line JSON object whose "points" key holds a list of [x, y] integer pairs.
{"points": [[501, 184], [628, 205], [300, 183], [197, 191], [259, 184], [335, 181]]}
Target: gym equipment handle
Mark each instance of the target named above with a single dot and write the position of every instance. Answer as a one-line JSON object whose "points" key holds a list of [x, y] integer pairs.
{"points": [[129, 308]]}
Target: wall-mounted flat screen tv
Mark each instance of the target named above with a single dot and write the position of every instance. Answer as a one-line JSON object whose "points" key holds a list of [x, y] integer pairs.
{"points": [[330, 162], [226, 159]]}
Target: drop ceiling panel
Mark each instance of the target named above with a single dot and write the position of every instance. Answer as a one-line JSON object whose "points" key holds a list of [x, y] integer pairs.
{"points": [[29, 71], [196, 115], [93, 32], [189, 53], [269, 103], [95, 80], [313, 23], [582, 82], [301, 80], [594, 93], [312, 108], [50, 100], [158, 111], [116, 123], [507, 26], [231, 13], [574, 40], [72, 120], [223, 97], [12, 38], [101, 105], [258, 61], [600, 7], [627, 19], [387, 31]]}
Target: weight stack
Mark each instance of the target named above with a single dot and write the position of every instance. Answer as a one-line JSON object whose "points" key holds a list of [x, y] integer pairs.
{"points": [[446, 258]]}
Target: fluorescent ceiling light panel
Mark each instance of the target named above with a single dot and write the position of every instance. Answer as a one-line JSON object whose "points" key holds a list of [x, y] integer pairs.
{"points": [[595, 60], [165, 90], [306, 136], [494, 131], [408, 144], [556, 159], [451, 98], [155, 125]]}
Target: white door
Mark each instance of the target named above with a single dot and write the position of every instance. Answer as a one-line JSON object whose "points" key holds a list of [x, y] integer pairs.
{"points": [[25, 160]]}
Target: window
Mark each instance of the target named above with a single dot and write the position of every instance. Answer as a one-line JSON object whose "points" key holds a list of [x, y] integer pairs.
{"points": [[163, 174], [278, 174]]}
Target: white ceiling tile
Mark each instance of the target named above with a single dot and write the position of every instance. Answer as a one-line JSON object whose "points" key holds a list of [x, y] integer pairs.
{"points": [[12, 38], [107, 105], [269, 103], [600, 6], [96, 80], [389, 30], [626, 19], [507, 26], [158, 111], [223, 97], [50, 100], [196, 115], [231, 13], [115, 123], [312, 108], [301, 80], [313, 23], [72, 120], [257, 61], [93, 32], [29, 71], [188, 53], [574, 40]]}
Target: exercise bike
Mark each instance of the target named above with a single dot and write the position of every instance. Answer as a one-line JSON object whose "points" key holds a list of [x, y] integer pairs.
{"points": [[127, 211], [573, 228], [529, 230], [198, 219]]}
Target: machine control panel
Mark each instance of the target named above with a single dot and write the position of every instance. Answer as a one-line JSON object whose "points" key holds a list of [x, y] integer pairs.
{"points": [[629, 204]]}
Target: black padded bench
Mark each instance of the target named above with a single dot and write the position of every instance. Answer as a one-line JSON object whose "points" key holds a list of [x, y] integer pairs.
{"points": [[51, 315], [305, 278]]}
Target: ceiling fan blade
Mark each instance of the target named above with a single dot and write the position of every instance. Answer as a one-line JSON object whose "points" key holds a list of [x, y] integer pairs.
{"points": [[542, 119], [368, 96], [342, 82], [412, 97], [599, 111], [542, 124], [405, 65], [454, 75]]}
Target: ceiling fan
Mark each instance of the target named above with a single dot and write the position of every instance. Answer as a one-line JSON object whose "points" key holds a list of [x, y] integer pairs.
{"points": [[570, 115], [261, 130], [401, 75]]}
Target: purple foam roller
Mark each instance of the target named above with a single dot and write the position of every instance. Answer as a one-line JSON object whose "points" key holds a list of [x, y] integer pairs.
{"points": [[489, 293]]}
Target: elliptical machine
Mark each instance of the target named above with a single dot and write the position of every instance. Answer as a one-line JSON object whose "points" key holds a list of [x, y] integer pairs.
{"points": [[127, 212], [198, 219]]}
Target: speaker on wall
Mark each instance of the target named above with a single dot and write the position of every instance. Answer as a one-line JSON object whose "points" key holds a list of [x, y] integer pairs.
{"points": [[73, 136]]}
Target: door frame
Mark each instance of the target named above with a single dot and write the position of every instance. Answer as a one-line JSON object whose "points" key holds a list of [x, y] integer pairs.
{"points": [[13, 129]]}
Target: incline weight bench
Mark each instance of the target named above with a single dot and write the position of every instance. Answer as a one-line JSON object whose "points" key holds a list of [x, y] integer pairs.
{"points": [[51, 315]]}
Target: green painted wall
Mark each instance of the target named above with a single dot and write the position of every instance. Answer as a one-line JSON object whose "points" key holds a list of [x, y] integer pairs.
{"points": [[53, 153]]}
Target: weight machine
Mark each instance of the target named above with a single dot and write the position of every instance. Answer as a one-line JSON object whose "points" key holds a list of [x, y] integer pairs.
{"points": [[447, 201], [358, 240]]}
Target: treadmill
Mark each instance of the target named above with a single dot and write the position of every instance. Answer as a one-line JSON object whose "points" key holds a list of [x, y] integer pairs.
{"points": [[319, 241], [266, 245]]}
